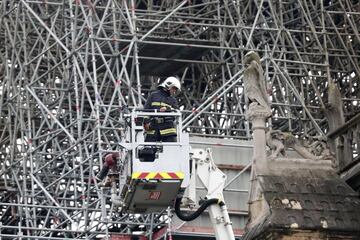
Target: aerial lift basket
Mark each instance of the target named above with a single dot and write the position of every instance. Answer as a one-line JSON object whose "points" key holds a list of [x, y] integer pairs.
{"points": [[158, 171]]}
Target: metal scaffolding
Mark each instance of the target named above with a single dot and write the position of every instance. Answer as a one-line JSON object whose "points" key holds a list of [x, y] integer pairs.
{"points": [[69, 68]]}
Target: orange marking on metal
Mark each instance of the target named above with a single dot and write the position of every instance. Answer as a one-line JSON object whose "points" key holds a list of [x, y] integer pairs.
{"points": [[143, 175], [158, 176], [173, 175]]}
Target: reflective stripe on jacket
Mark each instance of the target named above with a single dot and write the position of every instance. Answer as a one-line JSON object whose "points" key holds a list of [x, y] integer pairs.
{"points": [[156, 100]]}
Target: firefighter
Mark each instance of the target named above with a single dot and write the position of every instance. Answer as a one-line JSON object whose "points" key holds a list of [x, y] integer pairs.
{"points": [[162, 128]]}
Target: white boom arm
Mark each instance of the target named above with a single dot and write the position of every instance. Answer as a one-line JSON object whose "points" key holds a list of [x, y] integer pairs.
{"points": [[213, 179]]}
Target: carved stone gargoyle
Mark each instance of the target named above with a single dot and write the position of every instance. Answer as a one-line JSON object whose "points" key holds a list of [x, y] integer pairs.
{"points": [[279, 142]]}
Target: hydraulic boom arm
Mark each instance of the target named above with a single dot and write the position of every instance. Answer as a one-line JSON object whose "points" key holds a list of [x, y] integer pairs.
{"points": [[213, 179]]}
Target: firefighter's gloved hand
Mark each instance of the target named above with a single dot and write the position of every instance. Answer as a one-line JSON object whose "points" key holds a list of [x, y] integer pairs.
{"points": [[166, 109], [147, 126]]}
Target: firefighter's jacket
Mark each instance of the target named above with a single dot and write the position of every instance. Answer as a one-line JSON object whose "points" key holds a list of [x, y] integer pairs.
{"points": [[156, 100]]}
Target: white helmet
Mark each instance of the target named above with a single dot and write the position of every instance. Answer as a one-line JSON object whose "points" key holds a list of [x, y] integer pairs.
{"points": [[171, 82]]}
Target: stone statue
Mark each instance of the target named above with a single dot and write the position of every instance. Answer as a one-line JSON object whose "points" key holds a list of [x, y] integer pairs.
{"points": [[279, 141], [254, 82], [334, 113], [274, 140], [308, 152], [334, 108]]}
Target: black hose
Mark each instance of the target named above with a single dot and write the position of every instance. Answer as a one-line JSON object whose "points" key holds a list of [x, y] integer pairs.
{"points": [[197, 213]]}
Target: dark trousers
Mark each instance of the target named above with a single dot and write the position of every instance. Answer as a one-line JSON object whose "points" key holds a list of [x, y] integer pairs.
{"points": [[158, 138]]}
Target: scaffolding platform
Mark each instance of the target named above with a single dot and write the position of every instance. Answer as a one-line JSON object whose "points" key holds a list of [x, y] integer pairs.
{"points": [[160, 56]]}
